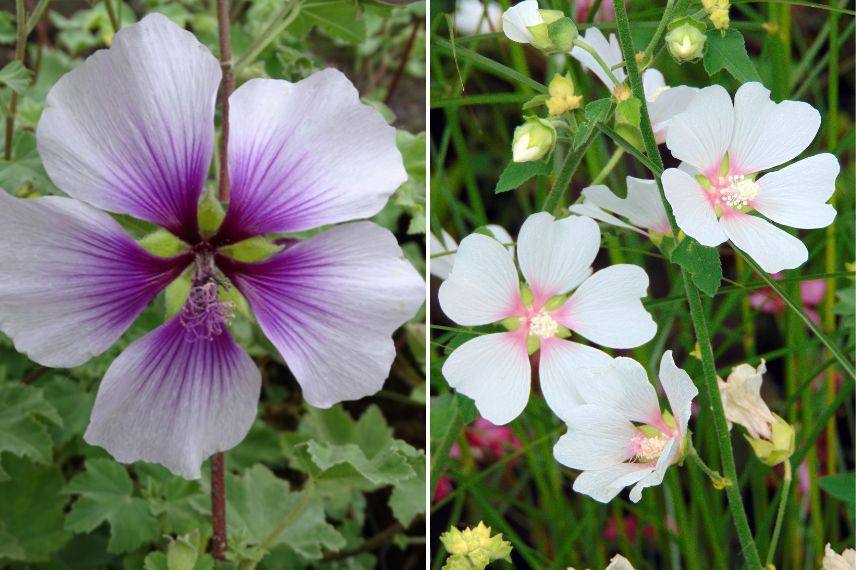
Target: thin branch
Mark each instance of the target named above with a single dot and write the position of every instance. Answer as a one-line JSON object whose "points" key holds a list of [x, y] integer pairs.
{"points": [[405, 57], [225, 91]]}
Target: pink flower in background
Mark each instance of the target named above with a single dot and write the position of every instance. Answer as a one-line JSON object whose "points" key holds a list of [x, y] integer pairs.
{"points": [[606, 12], [812, 292], [488, 441], [443, 489]]}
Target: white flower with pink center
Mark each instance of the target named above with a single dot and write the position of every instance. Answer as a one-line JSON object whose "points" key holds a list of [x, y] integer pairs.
{"points": [[642, 207], [555, 258], [727, 145], [619, 436]]}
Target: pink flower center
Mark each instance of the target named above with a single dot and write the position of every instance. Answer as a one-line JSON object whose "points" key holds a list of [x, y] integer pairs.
{"points": [[648, 448]]}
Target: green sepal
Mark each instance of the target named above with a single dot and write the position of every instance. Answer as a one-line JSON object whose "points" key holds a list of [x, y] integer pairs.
{"points": [[687, 20], [232, 295], [550, 16], [629, 112], [555, 302], [562, 34], [563, 332], [253, 249], [535, 102], [182, 554], [211, 214], [540, 36], [630, 133], [526, 296], [703, 181], [533, 343], [175, 295], [510, 323], [724, 166], [161, 243]]}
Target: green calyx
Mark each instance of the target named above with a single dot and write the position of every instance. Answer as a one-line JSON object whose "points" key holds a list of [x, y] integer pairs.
{"points": [[526, 296], [162, 243], [210, 214], [555, 302], [779, 447], [510, 323], [253, 249]]}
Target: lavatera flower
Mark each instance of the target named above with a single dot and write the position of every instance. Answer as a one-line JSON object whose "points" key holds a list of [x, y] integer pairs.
{"points": [[619, 437], [642, 207], [716, 197], [555, 258], [131, 131]]}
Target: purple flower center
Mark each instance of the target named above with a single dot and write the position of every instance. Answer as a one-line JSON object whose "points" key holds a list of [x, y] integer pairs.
{"points": [[204, 315]]}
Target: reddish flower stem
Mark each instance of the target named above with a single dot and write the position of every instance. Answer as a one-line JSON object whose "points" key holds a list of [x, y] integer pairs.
{"points": [[225, 91], [218, 461]]}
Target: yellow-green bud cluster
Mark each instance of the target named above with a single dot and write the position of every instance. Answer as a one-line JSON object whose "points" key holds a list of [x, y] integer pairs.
{"points": [[562, 97], [474, 548], [717, 11]]}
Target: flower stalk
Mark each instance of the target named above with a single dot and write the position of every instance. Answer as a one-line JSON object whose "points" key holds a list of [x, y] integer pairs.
{"points": [[780, 514], [20, 51], [735, 500]]}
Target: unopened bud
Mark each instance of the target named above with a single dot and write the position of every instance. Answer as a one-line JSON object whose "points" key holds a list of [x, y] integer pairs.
{"points": [[533, 140], [562, 97], [719, 18], [474, 548], [779, 447], [686, 40]]}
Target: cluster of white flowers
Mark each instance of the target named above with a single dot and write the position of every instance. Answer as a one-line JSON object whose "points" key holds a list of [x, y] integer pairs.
{"points": [[618, 436]]}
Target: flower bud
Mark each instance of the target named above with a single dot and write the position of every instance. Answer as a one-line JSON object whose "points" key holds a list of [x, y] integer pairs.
{"points": [[686, 40], [834, 561], [717, 10], [474, 548], [562, 98], [779, 447], [533, 140], [554, 33]]}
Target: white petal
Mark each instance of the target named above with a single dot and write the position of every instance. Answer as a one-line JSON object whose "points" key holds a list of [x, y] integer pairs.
{"points": [[652, 81], [470, 17], [694, 212], [71, 279], [131, 130], [330, 304], [767, 134], [555, 255], [623, 386], [483, 287], [796, 195], [603, 485], [566, 369], [494, 371], [174, 400], [610, 51], [597, 437], [502, 236], [607, 308], [680, 390], [307, 154], [701, 134], [590, 209], [642, 206], [774, 249], [666, 106], [441, 265], [655, 477], [517, 19]]}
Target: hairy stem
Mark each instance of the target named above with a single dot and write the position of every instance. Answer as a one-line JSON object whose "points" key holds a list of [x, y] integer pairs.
{"points": [[735, 500], [226, 90], [585, 47]]}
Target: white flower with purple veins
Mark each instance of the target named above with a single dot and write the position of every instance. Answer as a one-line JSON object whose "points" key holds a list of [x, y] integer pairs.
{"points": [[555, 258], [726, 145], [620, 437], [131, 131], [642, 208], [443, 252]]}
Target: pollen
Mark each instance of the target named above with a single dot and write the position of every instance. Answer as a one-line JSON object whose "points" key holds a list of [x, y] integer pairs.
{"points": [[649, 448], [204, 315], [739, 192], [543, 325]]}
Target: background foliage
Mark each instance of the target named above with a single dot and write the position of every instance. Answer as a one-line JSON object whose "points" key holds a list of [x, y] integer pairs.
{"points": [[800, 50], [338, 488]]}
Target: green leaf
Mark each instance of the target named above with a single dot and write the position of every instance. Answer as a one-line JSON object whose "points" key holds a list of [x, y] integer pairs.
{"points": [[338, 19], [629, 112], [701, 262], [31, 512], [258, 503], [516, 173], [15, 76], [24, 419], [410, 196], [727, 50], [73, 404], [842, 487], [171, 498], [598, 110], [106, 491], [408, 496]]}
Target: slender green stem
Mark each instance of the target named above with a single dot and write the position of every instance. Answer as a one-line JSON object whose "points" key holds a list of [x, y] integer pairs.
{"points": [[715, 477], [835, 350], [607, 168], [780, 515], [563, 179], [278, 23], [668, 12], [584, 46], [20, 50], [111, 13], [37, 14], [735, 500]]}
